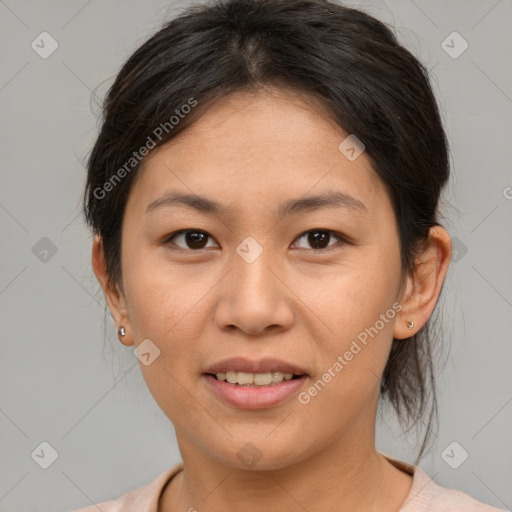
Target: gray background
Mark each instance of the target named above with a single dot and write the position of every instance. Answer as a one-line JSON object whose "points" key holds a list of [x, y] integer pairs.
{"points": [[66, 380]]}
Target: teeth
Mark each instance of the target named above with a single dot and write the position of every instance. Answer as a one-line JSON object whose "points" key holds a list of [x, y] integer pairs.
{"points": [[263, 379], [231, 377], [245, 378], [254, 379]]}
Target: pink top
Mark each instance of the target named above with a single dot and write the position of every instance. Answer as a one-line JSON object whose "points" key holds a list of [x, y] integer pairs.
{"points": [[425, 495]]}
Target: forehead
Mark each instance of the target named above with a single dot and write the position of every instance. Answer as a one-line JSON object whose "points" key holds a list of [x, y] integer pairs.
{"points": [[272, 144]]}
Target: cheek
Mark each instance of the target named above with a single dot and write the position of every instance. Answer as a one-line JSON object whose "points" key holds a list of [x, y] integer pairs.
{"points": [[353, 355], [163, 298], [165, 307], [161, 310], [351, 296], [356, 304]]}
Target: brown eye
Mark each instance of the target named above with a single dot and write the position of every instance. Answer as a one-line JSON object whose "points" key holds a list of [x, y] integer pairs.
{"points": [[319, 238], [193, 239]]}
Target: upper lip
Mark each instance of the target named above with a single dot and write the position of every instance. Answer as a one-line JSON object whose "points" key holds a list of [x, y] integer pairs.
{"points": [[267, 365]]}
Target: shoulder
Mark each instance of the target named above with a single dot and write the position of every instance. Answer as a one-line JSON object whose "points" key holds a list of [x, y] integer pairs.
{"points": [[142, 499], [451, 500], [436, 498], [427, 496]]}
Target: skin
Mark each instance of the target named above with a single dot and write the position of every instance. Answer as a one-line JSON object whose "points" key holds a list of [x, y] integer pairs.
{"points": [[295, 301]]}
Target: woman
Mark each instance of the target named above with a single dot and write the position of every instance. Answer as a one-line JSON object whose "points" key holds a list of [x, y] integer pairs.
{"points": [[263, 194]]}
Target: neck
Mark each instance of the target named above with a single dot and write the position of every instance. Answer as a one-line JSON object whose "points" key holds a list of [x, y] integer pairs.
{"points": [[344, 476]]}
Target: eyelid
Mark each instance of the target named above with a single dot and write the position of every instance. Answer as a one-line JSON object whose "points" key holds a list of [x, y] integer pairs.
{"points": [[167, 239], [341, 237]]}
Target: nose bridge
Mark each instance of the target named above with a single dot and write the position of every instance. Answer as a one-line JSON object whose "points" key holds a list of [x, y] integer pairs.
{"points": [[254, 297], [251, 264]]}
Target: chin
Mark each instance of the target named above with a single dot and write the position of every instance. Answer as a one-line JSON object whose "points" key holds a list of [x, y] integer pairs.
{"points": [[261, 454]]}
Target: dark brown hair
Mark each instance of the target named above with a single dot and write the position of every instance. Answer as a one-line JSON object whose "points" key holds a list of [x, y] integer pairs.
{"points": [[371, 85]]}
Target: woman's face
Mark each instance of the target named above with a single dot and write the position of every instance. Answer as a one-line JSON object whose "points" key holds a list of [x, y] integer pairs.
{"points": [[262, 279]]}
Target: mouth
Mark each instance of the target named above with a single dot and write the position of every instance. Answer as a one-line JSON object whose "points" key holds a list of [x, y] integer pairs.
{"points": [[246, 395], [248, 379], [254, 384]]}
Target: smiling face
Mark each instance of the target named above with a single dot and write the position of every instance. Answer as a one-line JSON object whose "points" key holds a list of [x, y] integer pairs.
{"points": [[262, 273]]}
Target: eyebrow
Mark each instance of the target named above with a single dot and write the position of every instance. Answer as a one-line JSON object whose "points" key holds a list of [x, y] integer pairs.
{"points": [[330, 198]]}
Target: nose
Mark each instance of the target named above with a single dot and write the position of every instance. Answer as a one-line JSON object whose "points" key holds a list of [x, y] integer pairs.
{"points": [[255, 297]]}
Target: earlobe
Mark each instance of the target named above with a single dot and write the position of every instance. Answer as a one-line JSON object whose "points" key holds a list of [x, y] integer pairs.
{"points": [[424, 285], [114, 297]]}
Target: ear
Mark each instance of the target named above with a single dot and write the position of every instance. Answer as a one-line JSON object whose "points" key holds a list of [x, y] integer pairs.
{"points": [[424, 286], [114, 296]]}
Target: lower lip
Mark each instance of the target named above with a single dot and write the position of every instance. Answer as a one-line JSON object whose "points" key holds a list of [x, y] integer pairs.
{"points": [[255, 397]]}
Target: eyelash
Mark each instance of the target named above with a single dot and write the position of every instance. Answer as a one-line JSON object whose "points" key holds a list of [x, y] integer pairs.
{"points": [[340, 237]]}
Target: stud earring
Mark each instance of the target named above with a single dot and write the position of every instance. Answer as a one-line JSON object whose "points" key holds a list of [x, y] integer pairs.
{"points": [[121, 331], [410, 324]]}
